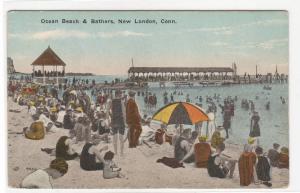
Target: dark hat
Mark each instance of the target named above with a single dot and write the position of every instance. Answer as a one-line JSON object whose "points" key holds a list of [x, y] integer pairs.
{"points": [[131, 93], [109, 155], [60, 165], [259, 150], [276, 145]]}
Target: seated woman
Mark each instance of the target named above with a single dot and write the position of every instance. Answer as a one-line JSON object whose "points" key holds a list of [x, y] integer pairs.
{"points": [[48, 124], [36, 131], [219, 165], [42, 178], [283, 161], [273, 155], [82, 129], [90, 154], [68, 121], [32, 109], [216, 138], [183, 147], [263, 168], [147, 135], [159, 134], [53, 114], [202, 152], [246, 166], [60, 117], [111, 170], [64, 147], [100, 128]]}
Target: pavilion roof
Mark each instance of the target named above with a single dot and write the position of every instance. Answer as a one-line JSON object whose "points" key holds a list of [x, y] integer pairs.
{"points": [[178, 69], [48, 58]]}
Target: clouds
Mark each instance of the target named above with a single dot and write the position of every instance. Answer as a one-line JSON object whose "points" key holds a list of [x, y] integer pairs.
{"points": [[215, 30], [265, 45], [231, 30], [270, 44], [64, 34], [121, 34], [270, 22], [218, 44]]}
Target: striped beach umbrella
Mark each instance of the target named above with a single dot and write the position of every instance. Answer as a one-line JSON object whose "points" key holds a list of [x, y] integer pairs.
{"points": [[180, 113]]}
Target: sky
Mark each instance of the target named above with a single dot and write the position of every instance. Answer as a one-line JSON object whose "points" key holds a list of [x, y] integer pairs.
{"points": [[197, 39]]}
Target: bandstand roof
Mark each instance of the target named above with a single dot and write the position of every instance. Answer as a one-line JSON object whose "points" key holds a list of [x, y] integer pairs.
{"points": [[48, 58], [178, 69]]}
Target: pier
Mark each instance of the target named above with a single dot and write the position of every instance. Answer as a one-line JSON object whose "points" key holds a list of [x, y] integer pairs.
{"points": [[201, 75], [155, 74]]}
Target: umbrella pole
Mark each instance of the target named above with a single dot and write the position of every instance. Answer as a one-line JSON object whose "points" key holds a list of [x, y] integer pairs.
{"points": [[206, 128]]}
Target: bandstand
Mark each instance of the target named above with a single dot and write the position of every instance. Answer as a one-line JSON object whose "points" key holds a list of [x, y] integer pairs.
{"points": [[48, 68]]}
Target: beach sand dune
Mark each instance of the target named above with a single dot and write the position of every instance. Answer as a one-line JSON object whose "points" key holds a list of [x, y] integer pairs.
{"points": [[139, 164]]}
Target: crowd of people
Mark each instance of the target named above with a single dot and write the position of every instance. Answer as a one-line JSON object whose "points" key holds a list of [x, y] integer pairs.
{"points": [[39, 73], [89, 123], [113, 117]]}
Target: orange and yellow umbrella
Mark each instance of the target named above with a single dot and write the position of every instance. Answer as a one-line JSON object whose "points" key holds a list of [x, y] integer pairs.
{"points": [[180, 113]]}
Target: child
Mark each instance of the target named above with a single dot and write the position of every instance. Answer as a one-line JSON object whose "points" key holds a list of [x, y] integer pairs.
{"points": [[110, 170], [283, 160], [263, 169]]}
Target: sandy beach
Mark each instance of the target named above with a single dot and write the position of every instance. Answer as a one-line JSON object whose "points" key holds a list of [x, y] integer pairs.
{"points": [[139, 165]]}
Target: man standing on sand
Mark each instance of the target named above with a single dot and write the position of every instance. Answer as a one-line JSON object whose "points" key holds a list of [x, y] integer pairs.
{"points": [[118, 121], [133, 120]]}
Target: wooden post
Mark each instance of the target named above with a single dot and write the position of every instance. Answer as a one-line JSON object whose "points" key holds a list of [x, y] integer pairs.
{"points": [[33, 71], [56, 75], [207, 129], [44, 78]]}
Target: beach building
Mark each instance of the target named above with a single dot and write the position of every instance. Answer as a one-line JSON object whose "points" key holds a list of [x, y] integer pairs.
{"points": [[48, 68]]}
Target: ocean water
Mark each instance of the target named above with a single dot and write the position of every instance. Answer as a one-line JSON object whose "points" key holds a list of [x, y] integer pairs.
{"points": [[99, 78], [274, 123]]}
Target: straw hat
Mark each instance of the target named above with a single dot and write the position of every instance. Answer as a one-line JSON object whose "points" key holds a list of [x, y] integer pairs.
{"points": [[79, 109], [284, 150], [251, 140], [202, 138], [53, 109]]}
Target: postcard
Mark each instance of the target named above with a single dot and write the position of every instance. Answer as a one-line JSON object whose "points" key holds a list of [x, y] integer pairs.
{"points": [[148, 99]]}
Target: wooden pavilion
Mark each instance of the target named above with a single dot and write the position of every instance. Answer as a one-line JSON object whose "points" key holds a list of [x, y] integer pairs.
{"points": [[46, 68], [146, 72]]}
